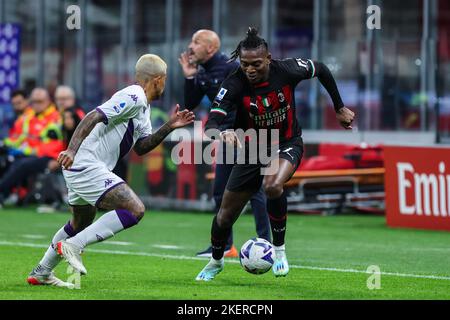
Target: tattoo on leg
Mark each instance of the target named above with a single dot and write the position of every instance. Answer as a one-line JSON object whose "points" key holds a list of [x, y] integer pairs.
{"points": [[120, 197]]}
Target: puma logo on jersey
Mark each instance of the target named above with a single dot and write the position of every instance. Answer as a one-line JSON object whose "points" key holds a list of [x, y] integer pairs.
{"points": [[302, 63], [254, 108], [287, 152]]}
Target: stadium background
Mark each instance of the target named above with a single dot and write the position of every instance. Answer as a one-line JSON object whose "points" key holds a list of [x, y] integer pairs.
{"points": [[396, 78]]}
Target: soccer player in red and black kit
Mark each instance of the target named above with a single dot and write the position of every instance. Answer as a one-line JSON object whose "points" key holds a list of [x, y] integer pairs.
{"points": [[262, 92]]}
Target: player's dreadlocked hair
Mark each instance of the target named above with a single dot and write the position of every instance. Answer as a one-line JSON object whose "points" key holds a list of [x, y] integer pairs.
{"points": [[252, 41]]}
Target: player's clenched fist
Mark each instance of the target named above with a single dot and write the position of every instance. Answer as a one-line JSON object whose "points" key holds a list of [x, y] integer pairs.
{"points": [[65, 159], [345, 117]]}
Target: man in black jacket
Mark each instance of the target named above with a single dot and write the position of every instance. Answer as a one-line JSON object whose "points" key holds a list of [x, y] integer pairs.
{"points": [[205, 68]]}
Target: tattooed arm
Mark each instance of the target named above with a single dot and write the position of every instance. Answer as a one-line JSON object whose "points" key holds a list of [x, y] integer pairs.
{"points": [[83, 129], [150, 142], [177, 120]]}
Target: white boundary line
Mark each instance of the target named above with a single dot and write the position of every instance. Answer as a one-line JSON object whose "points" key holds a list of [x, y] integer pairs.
{"points": [[176, 257]]}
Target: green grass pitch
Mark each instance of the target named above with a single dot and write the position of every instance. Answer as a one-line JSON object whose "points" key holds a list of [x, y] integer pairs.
{"points": [[155, 260]]}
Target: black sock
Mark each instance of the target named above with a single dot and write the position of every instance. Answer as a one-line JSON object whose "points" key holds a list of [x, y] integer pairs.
{"points": [[219, 237], [277, 210]]}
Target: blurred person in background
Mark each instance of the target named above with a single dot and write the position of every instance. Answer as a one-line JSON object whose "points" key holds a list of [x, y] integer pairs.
{"points": [[18, 131], [71, 118], [205, 68], [19, 102], [65, 98], [42, 144], [72, 113], [23, 111]]}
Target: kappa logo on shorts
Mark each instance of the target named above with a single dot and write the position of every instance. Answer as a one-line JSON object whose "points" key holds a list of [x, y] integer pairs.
{"points": [[108, 182]]}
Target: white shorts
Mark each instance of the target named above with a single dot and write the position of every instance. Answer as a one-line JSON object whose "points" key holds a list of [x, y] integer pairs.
{"points": [[88, 185]]}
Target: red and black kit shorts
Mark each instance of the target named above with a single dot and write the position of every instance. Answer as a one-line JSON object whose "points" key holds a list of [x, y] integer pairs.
{"points": [[248, 177]]}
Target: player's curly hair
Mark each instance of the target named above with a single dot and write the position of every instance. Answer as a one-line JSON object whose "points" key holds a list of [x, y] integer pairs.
{"points": [[252, 41]]}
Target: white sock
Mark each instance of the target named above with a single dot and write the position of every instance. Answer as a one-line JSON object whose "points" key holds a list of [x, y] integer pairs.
{"points": [[217, 262], [51, 258], [280, 248], [104, 228]]}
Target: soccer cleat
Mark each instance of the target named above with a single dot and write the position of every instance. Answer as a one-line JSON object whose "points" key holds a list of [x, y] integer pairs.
{"points": [[35, 278], [72, 254], [213, 268], [230, 252], [205, 253], [280, 267]]}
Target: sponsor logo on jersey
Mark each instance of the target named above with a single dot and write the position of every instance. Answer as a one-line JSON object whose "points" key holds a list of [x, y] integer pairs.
{"points": [[221, 94], [270, 118], [281, 97]]}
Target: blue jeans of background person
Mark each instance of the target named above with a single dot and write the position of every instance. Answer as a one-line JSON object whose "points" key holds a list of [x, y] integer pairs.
{"points": [[258, 200]]}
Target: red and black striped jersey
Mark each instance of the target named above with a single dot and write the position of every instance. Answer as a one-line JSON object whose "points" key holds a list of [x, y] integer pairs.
{"points": [[267, 105]]}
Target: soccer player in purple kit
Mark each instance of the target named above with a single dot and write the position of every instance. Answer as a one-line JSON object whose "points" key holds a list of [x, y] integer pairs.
{"points": [[105, 135], [262, 93]]}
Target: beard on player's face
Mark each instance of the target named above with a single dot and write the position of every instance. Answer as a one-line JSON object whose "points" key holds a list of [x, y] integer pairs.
{"points": [[156, 87]]}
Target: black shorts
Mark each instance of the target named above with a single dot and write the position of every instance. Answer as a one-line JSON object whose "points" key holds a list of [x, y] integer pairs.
{"points": [[248, 177]]}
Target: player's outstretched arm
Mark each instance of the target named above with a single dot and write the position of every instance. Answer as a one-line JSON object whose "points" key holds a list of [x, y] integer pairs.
{"points": [[344, 115], [177, 120], [83, 129]]}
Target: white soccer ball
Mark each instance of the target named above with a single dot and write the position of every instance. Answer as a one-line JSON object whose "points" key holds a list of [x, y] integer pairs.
{"points": [[256, 256]]}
